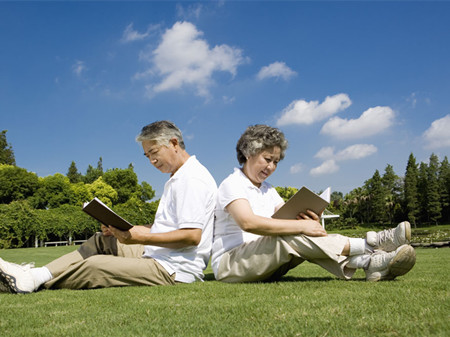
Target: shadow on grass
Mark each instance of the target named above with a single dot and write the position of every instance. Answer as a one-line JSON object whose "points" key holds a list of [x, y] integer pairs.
{"points": [[314, 279], [287, 279], [302, 279]]}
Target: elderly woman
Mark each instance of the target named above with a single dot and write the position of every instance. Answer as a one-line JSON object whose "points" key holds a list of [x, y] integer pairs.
{"points": [[251, 246]]}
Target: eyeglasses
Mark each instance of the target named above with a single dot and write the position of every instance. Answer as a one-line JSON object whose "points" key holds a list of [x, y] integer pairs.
{"points": [[150, 154]]}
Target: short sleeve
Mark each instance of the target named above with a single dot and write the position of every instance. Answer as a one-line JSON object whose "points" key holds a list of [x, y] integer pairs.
{"points": [[192, 200], [229, 191], [276, 199]]}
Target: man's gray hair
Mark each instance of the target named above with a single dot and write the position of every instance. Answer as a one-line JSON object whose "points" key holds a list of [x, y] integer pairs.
{"points": [[161, 132], [258, 138]]}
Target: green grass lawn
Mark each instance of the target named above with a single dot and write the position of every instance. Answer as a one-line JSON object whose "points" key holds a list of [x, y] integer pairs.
{"points": [[306, 302]]}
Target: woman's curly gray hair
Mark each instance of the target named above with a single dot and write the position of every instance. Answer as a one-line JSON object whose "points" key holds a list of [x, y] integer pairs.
{"points": [[258, 138]]}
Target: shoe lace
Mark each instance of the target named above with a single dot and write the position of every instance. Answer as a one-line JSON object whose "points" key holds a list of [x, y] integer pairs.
{"points": [[379, 258], [386, 235]]}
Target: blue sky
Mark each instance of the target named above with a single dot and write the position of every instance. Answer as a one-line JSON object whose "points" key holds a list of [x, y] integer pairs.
{"points": [[353, 85]]}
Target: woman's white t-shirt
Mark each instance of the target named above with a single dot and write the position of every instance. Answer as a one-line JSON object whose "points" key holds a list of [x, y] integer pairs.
{"points": [[227, 233]]}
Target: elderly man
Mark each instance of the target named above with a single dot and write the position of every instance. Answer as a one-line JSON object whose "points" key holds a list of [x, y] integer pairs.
{"points": [[176, 248]]}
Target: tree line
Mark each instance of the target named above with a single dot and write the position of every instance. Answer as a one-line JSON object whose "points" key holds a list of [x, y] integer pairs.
{"points": [[36, 209], [421, 196]]}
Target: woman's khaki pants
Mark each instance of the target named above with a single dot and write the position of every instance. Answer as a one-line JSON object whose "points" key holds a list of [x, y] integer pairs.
{"points": [[270, 257]]}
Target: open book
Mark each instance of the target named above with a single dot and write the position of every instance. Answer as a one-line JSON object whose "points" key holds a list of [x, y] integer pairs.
{"points": [[301, 201], [99, 211]]}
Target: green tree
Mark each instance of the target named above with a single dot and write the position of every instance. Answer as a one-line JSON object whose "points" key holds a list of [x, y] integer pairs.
{"points": [[433, 197], [6, 151], [286, 192], [357, 205], [351, 204], [411, 190], [391, 184], [377, 196], [124, 181], [146, 191], [53, 192], [103, 191], [68, 222], [389, 179], [73, 174], [336, 202], [422, 192], [92, 174], [16, 183], [100, 165], [444, 188], [18, 223], [82, 193], [137, 211]]}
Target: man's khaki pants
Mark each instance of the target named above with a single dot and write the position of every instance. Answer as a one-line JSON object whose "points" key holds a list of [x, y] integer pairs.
{"points": [[270, 257], [104, 262]]}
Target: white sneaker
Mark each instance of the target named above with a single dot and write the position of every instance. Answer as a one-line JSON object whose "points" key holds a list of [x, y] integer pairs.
{"points": [[390, 239], [387, 266], [16, 278]]}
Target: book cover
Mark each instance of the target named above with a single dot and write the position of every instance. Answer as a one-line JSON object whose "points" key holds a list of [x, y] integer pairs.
{"points": [[301, 201], [99, 211]]}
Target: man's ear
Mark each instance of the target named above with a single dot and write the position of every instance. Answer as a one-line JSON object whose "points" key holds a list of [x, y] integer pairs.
{"points": [[174, 142]]}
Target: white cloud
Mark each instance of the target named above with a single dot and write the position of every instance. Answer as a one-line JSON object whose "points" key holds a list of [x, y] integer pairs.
{"points": [[327, 167], [438, 134], [296, 168], [277, 70], [325, 153], [303, 112], [131, 35], [371, 122], [78, 68], [184, 59], [357, 151]]}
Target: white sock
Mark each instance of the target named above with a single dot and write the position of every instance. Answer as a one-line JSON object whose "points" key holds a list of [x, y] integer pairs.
{"points": [[358, 261], [359, 246], [40, 275]]}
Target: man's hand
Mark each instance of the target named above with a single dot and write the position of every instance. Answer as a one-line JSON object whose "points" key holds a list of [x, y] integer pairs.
{"points": [[106, 231], [179, 238], [134, 235]]}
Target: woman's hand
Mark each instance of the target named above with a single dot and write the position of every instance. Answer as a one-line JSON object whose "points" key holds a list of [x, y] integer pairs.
{"points": [[312, 226], [309, 215]]}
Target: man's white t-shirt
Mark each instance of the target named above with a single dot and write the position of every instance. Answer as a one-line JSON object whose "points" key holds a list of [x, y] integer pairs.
{"points": [[227, 233], [188, 201]]}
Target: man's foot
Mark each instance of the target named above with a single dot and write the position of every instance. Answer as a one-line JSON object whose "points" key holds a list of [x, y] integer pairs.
{"points": [[390, 239], [15, 278], [387, 266]]}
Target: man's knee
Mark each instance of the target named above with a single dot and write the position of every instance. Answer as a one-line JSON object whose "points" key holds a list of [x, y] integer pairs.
{"points": [[98, 244]]}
